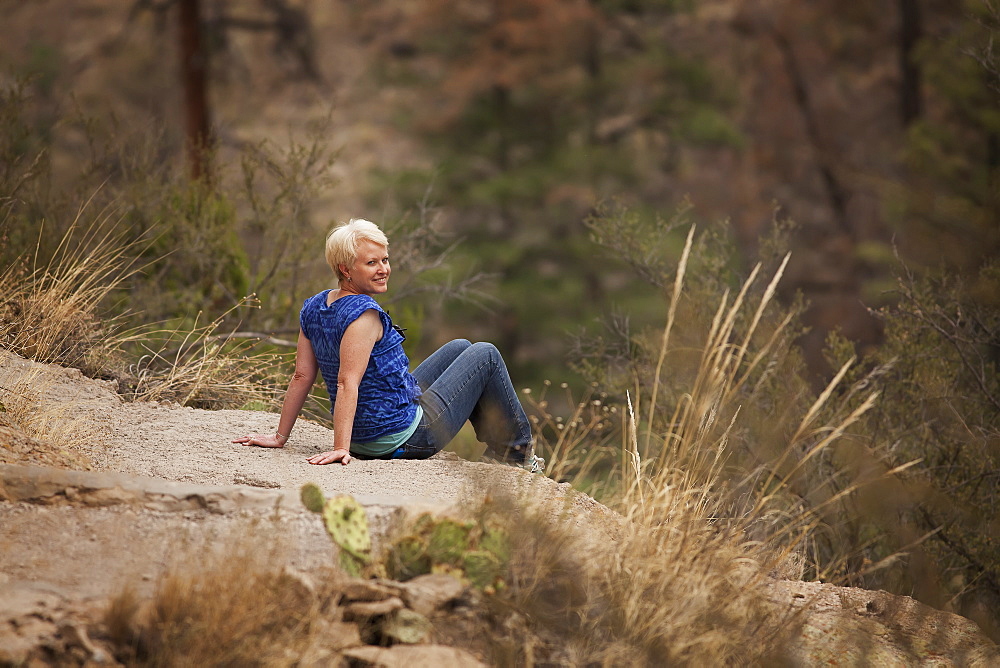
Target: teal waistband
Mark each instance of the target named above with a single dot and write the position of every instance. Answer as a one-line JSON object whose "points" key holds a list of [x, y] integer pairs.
{"points": [[390, 442]]}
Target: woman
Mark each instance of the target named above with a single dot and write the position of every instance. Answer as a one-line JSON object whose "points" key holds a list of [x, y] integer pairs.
{"points": [[380, 409]]}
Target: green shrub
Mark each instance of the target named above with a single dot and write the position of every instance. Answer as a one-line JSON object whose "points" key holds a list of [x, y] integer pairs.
{"points": [[938, 373]]}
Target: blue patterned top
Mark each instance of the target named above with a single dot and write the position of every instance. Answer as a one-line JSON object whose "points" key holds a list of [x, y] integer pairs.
{"points": [[388, 393]]}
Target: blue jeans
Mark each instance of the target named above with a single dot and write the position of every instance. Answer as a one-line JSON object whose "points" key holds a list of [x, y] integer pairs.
{"points": [[462, 382]]}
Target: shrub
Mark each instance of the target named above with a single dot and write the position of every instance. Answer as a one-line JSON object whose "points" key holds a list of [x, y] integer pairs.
{"points": [[937, 370]]}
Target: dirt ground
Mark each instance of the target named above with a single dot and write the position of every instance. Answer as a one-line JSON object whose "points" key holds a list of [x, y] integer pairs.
{"points": [[143, 489]]}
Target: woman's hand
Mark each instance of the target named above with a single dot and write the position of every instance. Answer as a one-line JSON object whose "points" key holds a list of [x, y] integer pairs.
{"points": [[342, 456], [268, 441]]}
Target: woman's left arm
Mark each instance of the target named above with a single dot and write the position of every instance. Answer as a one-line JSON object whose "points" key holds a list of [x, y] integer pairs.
{"points": [[355, 351]]}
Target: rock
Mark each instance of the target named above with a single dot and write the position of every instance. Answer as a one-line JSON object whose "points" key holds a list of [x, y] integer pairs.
{"points": [[16, 447], [335, 636], [75, 635], [367, 590], [39, 484], [413, 656], [362, 610], [27, 598], [428, 593], [858, 627], [406, 626], [19, 639], [56, 385]]}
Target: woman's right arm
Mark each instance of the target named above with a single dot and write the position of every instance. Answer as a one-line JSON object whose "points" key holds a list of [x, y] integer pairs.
{"points": [[299, 386]]}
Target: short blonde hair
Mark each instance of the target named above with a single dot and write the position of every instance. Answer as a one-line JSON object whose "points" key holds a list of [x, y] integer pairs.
{"points": [[343, 241]]}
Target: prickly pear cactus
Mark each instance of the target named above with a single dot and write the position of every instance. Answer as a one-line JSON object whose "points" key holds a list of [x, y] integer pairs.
{"points": [[348, 527], [482, 568], [408, 558], [496, 541], [475, 552], [312, 497], [448, 540]]}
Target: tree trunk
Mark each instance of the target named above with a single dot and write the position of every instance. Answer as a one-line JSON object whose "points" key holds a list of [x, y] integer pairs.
{"points": [[910, 32], [834, 188], [194, 65]]}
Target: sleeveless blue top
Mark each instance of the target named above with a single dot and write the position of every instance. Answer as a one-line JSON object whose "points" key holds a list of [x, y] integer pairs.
{"points": [[388, 392]]}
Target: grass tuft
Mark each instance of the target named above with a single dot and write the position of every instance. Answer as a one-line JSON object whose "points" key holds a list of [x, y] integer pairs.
{"points": [[50, 309], [230, 609]]}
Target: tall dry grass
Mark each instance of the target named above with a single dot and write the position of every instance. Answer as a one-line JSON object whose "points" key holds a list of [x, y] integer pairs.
{"points": [[61, 310], [683, 580], [200, 365], [51, 306]]}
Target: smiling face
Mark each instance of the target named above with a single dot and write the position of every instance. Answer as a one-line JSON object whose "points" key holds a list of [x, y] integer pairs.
{"points": [[369, 273]]}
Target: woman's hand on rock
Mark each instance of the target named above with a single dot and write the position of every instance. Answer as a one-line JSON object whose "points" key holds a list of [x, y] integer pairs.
{"points": [[342, 456], [263, 441]]}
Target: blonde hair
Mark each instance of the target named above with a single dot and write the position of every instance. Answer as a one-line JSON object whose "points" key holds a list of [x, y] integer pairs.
{"points": [[343, 241]]}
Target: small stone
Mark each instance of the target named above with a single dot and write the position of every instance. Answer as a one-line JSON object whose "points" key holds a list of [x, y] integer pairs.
{"points": [[366, 610], [367, 590], [413, 656], [406, 626], [335, 636], [427, 593]]}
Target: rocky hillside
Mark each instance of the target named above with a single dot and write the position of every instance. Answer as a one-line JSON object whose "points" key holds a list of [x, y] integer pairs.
{"points": [[139, 495]]}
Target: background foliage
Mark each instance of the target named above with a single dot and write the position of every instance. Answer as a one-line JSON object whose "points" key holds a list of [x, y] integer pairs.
{"points": [[530, 160]]}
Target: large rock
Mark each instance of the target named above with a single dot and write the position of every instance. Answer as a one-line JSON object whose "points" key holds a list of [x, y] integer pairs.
{"points": [[846, 626], [412, 656]]}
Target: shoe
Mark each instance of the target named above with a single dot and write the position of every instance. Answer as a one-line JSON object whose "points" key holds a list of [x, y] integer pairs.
{"points": [[534, 464]]}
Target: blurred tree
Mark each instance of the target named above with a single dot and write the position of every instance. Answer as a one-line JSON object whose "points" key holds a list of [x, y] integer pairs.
{"points": [[946, 202], [910, 33], [534, 111], [194, 65], [988, 53], [199, 38]]}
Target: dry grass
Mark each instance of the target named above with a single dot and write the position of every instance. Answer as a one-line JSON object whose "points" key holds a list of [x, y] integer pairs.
{"points": [[684, 581], [50, 308], [201, 367], [227, 607], [56, 311], [593, 592], [36, 431], [579, 446]]}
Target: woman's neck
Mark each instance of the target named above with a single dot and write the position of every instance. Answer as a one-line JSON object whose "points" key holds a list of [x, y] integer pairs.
{"points": [[347, 288], [343, 290]]}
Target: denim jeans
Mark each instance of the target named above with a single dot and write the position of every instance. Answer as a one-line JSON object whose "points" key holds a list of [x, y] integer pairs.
{"points": [[461, 382]]}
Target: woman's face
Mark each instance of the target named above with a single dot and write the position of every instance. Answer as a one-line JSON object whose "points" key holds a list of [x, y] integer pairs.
{"points": [[370, 271]]}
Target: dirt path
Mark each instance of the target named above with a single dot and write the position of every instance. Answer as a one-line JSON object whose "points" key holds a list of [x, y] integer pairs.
{"points": [[124, 510], [168, 491], [172, 442]]}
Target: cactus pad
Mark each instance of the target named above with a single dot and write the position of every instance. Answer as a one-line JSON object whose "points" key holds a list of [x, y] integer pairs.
{"points": [[496, 541], [482, 568], [408, 558], [474, 552], [348, 527], [312, 497], [448, 540]]}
